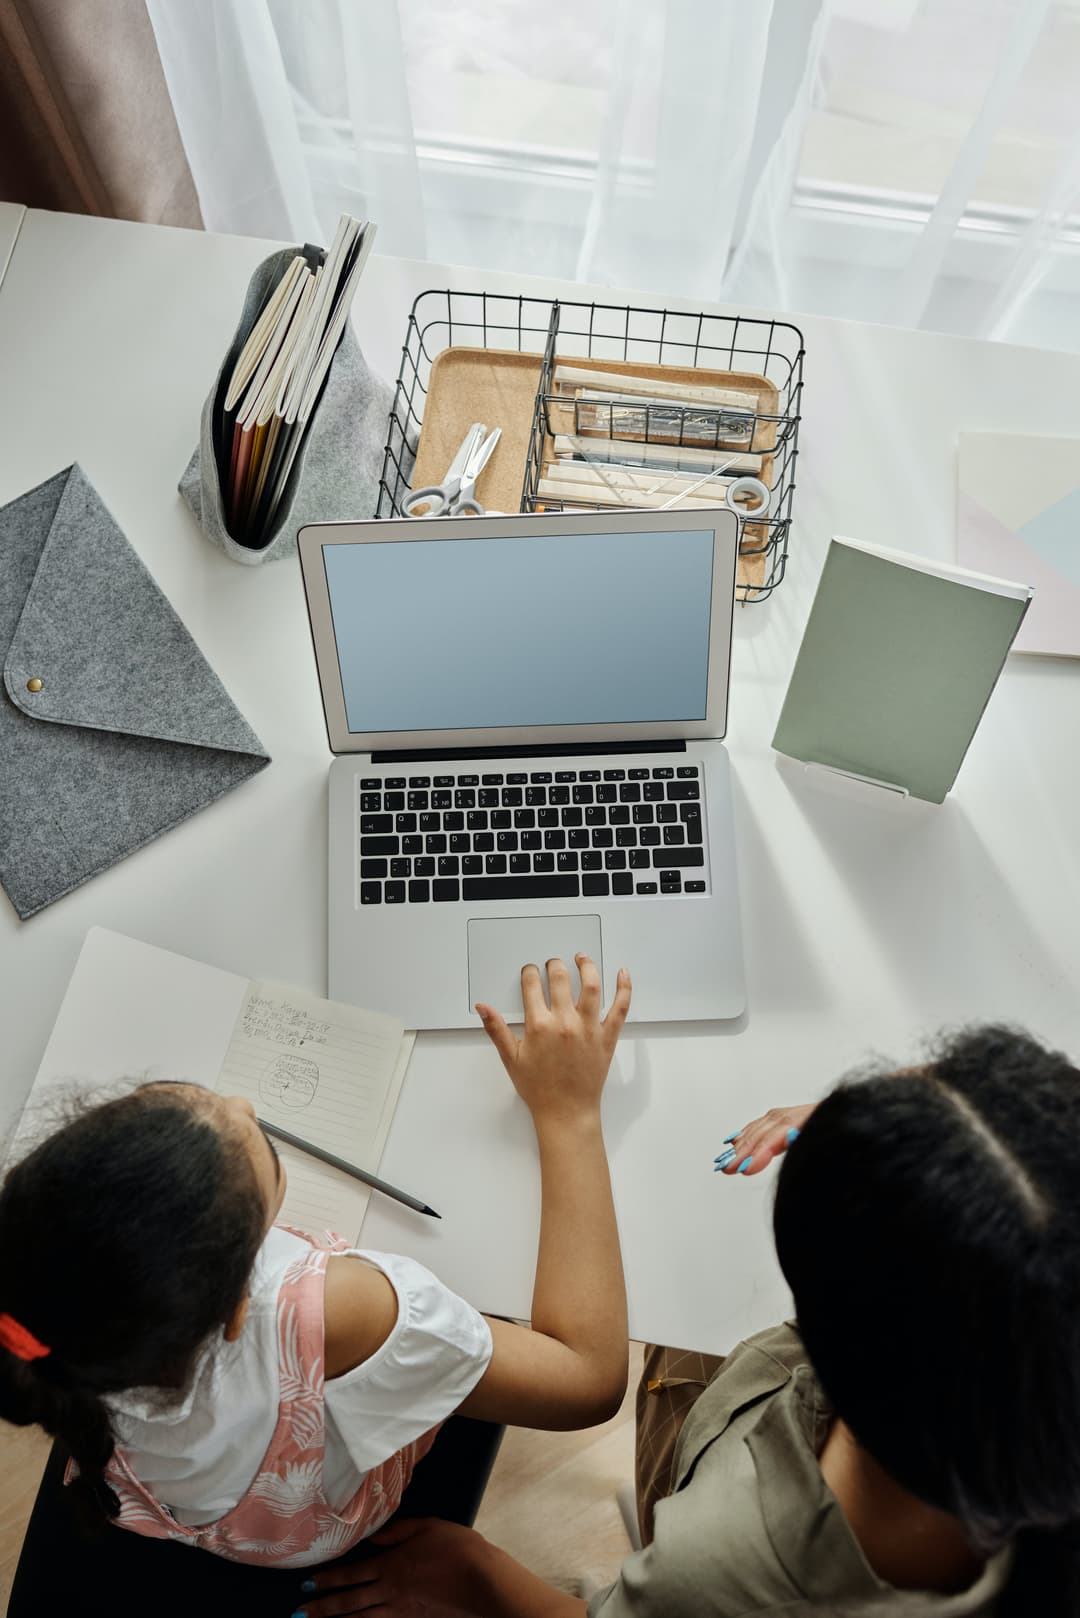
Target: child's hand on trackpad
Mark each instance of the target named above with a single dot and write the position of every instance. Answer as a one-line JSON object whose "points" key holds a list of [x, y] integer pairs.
{"points": [[559, 1067]]}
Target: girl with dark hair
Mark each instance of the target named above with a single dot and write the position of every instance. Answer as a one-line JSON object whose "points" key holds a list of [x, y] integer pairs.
{"points": [[229, 1384], [910, 1444]]}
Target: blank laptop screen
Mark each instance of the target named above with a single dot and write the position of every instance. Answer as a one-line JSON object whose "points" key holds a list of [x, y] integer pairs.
{"points": [[533, 629]]}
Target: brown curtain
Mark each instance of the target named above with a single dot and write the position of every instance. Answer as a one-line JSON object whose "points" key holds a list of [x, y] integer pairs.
{"points": [[86, 124]]}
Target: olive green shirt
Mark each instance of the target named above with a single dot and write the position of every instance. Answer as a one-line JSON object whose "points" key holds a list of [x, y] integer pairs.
{"points": [[751, 1526]]}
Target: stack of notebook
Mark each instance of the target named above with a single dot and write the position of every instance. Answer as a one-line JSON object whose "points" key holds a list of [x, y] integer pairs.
{"points": [[279, 376]]}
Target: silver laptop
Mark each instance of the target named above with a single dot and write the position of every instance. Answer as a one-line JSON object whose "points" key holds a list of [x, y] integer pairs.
{"points": [[527, 714]]}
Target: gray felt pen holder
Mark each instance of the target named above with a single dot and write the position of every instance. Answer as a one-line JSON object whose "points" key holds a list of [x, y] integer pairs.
{"points": [[336, 474]]}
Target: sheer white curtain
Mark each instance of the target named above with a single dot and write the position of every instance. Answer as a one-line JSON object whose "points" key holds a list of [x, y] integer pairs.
{"points": [[913, 161]]}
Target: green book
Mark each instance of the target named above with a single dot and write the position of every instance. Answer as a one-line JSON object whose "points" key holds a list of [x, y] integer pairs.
{"points": [[897, 663]]}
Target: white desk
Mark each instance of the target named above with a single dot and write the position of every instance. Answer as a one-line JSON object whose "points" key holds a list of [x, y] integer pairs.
{"points": [[866, 923], [12, 215]]}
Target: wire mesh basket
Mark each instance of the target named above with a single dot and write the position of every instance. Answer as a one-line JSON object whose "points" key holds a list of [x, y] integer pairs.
{"points": [[557, 333]]}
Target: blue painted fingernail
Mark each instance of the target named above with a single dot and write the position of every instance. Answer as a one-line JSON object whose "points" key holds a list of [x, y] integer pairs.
{"points": [[792, 1134], [745, 1164], [733, 1136], [725, 1158], [308, 1588]]}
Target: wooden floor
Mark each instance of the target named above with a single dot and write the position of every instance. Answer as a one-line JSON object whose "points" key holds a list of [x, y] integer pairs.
{"points": [[550, 1501]]}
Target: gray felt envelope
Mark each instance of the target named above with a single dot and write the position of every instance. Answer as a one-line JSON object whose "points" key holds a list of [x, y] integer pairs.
{"points": [[113, 726]]}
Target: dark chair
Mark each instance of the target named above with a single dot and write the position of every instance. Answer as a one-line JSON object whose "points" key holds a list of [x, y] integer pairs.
{"points": [[118, 1574]]}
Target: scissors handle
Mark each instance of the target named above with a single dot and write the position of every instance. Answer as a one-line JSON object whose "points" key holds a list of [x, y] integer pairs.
{"points": [[467, 507], [433, 497]]}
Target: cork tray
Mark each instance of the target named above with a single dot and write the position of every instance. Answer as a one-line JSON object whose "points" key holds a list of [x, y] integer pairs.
{"points": [[499, 387]]}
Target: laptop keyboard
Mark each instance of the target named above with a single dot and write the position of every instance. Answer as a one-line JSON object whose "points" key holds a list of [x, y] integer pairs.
{"points": [[536, 834]]}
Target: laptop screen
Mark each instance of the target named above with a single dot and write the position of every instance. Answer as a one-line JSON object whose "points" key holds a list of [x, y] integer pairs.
{"points": [[522, 629]]}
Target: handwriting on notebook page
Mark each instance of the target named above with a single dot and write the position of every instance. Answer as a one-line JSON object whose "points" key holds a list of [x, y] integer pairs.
{"points": [[320, 1069]]}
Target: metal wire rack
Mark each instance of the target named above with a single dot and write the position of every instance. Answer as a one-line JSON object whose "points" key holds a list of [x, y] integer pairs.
{"points": [[556, 330]]}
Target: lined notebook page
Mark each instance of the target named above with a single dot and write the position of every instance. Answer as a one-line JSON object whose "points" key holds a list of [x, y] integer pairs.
{"points": [[328, 1073]]}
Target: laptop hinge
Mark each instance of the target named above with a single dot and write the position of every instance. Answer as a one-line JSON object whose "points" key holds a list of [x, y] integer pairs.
{"points": [[426, 755]]}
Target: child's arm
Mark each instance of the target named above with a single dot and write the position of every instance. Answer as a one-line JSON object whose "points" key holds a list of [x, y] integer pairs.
{"points": [[570, 1369]]}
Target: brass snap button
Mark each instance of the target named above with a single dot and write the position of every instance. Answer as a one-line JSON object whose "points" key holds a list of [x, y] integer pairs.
{"points": [[34, 685]]}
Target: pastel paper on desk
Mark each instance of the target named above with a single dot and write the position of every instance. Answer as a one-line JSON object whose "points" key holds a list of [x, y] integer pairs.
{"points": [[1018, 516], [113, 726]]}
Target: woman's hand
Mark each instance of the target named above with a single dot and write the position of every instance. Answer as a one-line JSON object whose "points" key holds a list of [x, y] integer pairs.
{"points": [[751, 1149], [559, 1068]]}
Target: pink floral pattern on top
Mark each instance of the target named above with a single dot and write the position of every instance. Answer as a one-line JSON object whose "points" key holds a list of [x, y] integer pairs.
{"points": [[284, 1518]]}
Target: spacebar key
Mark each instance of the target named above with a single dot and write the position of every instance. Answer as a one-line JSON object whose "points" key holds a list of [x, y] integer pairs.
{"points": [[520, 887]]}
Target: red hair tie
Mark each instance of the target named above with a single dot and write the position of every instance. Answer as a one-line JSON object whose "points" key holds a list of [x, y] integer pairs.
{"points": [[20, 1342]]}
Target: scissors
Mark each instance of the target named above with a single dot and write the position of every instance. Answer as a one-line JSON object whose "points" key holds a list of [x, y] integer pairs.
{"points": [[454, 496]]}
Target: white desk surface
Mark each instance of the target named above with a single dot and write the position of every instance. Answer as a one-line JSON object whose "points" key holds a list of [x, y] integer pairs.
{"points": [[12, 215], [867, 923]]}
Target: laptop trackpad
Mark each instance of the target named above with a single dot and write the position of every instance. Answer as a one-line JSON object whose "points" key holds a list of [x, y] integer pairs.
{"points": [[498, 949]]}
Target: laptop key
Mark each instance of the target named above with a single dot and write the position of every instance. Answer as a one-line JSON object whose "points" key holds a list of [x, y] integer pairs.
{"points": [[394, 893], [595, 886], [468, 780], [517, 780], [442, 800], [511, 797], [521, 887], [666, 857], [663, 772], [671, 887], [694, 832], [647, 887], [535, 797], [412, 845], [558, 794], [638, 775], [543, 862], [370, 893], [571, 816], [577, 837], [444, 889], [540, 777], [370, 803], [495, 865], [642, 814], [379, 847], [483, 842], [506, 842], [404, 822], [621, 883], [555, 838], [649, 836], [477, 820], [436, 843], [687, 772], [370, 824], [615, 859], [372, 870], [419, 780], [674, 834], [626, 837], [417, 800], [371, 783], [639, 857], [532, 839], [453, 820], [602, 837], [630, 792], [464, 798], [430, 821], [596, 815], [395, 781], [566, 860], [619, 814], [566, 775], [589, 775], [614, 775], [547, 817], [491, 780], [666, 812], [393, 800], [419, 892], [471, 865], [487, 798], [425, 865], [606, 792], [583, 792], [401, 867], [448, 864], [679, 791], [519, 862], [443, 781], [460, 842], [501, 819], [694, 887], [652, 790], [592, 860]]}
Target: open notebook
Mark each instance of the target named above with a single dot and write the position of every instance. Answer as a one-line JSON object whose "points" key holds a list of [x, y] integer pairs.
{"points": [[329, 1073]]}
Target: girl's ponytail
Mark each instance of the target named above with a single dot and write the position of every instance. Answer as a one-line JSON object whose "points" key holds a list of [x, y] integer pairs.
{"points": [[127, 1240], [79, 1418]]}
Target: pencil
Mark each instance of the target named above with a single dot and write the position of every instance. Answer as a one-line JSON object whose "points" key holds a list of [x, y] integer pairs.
{"points": [[347, 1168]]}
